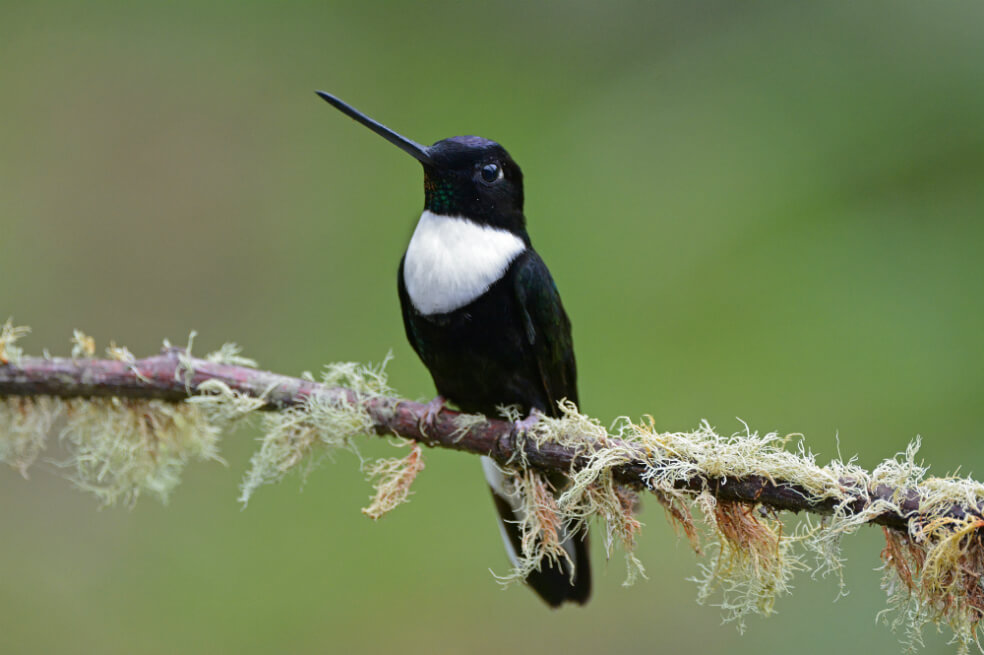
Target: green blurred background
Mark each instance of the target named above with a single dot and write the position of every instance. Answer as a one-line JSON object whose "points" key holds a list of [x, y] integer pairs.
{"points": [[769, 211]]}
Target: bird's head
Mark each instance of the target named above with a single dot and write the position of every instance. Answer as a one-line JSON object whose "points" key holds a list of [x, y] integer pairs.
{"points": [[465, 176]]}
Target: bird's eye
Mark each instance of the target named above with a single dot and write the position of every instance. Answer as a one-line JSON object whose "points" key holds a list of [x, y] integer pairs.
{"points": [[491, 173]]}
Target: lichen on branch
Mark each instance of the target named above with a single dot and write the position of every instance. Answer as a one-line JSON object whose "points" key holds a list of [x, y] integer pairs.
{"points": [[131, 425]]}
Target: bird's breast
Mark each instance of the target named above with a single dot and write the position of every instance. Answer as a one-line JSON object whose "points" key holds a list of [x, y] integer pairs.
{"points": [[451, 261]]}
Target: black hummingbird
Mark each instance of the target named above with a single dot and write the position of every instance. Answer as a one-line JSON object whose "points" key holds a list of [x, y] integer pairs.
{"points": [[483, 313]]}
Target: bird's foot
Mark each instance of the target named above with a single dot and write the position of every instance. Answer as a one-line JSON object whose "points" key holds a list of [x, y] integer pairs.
{"points": [[428, 419], [523, 426]]}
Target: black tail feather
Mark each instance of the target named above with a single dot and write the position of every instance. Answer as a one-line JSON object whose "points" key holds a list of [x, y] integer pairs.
{"points": [[554, 582]]}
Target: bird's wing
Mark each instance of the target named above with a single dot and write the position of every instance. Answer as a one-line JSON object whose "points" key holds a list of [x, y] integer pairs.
{"points": [[406, 306], [547, 329]]}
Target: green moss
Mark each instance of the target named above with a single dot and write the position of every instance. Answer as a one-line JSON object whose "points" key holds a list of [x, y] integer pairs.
{"points": [[9, 334], [122, 449], [82, 345], [118, 449], [391, 478], [24, 427], [301, 436]]}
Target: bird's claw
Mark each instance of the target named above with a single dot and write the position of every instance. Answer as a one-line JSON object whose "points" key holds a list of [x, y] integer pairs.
{"points": [[523, 426], [428, 419]]}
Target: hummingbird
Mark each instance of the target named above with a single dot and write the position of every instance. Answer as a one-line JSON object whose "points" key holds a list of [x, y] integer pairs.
{"points": [[483, 313]]}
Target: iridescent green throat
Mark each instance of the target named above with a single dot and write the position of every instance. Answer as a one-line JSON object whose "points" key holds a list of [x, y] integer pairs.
{"points": [[439, 196]]}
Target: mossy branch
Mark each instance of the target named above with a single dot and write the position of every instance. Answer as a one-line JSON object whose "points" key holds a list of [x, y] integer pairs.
{"points": [[174, 377], [131, 425]]}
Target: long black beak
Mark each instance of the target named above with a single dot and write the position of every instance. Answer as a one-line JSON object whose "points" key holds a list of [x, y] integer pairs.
{"points": [[417, 151]]}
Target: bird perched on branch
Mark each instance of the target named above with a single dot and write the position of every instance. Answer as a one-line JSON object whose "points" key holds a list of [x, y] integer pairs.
{"points": [[483, 313]]}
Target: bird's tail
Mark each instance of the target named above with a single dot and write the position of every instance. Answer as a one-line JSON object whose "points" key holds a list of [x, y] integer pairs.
{"points": [[553, 582]]}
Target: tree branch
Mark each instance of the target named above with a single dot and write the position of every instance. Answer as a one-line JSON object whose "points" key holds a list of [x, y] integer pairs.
{"points": [[130, 431], [173, 377]]}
